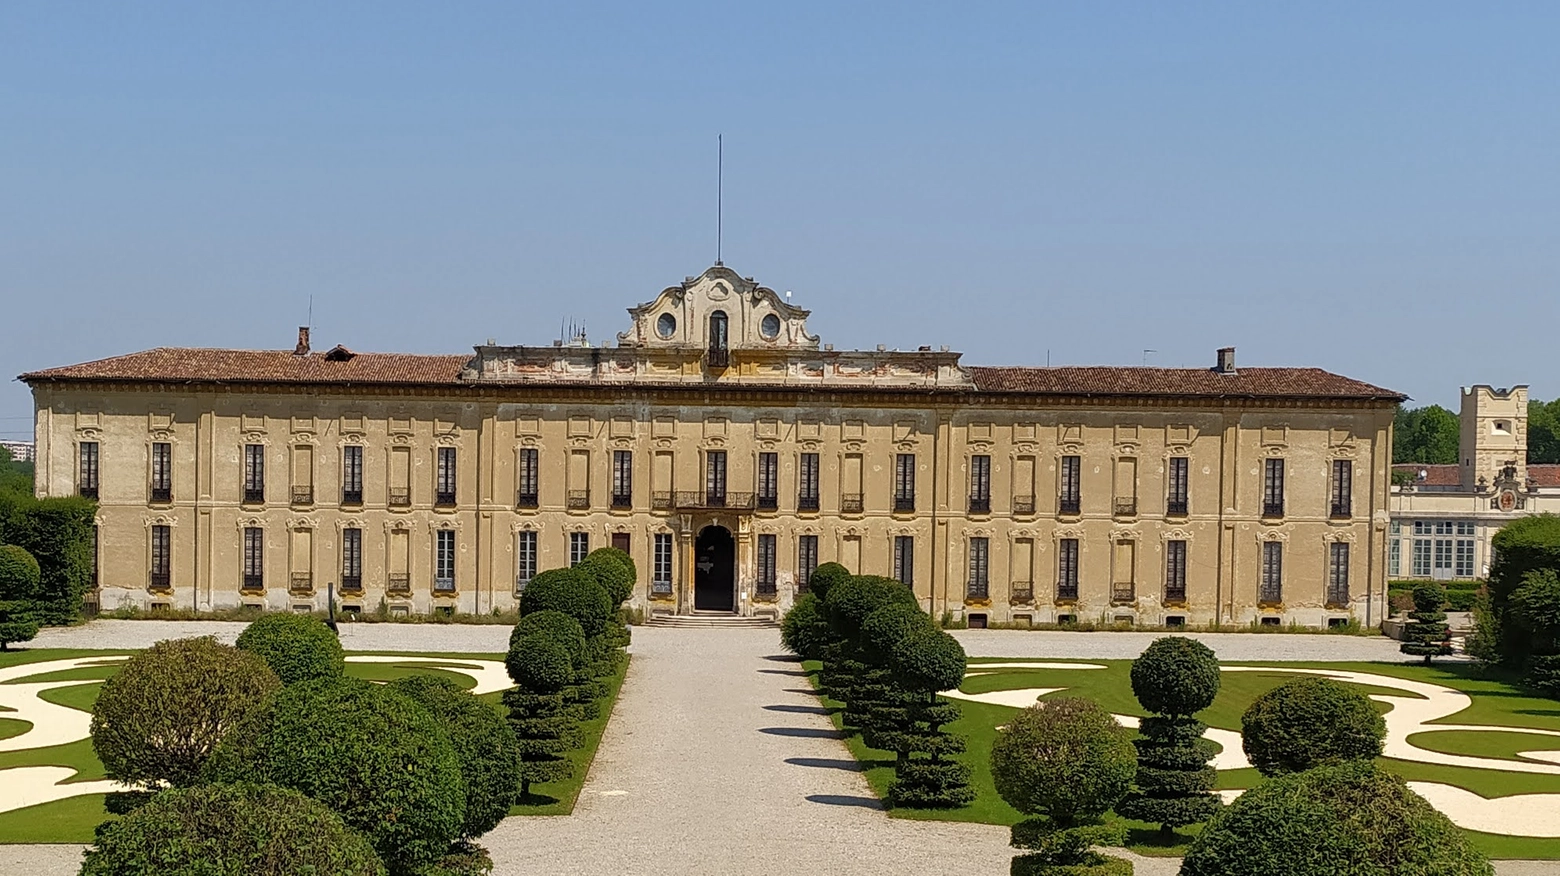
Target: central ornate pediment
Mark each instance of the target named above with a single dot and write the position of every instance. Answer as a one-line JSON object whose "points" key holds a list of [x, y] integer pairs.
{"points": [[691, 314]]}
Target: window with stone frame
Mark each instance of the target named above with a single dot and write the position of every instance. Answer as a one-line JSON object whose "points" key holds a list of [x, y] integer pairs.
{"points": [[254, 558], [904, 560], [530, 478], [525, 558], [1177, 497], [622, 478], [768, 480], [904, 482], [1175, 570], [806, 560], [87, 469], [1270, 590], [444, 561], [1070, 499], [661, 564], [978, 585], [352, 559], [1273, 488], [980, 483], [765, 584], [254, 473], [162, 557], [579, 547], [1067, 569], [807, 483], [1338, 573], [162, 472], [352, 474], [1342, 504], [444, 478]]}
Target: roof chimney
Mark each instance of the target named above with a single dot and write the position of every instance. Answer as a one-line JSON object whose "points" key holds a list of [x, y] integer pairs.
{"points": [[1226, 361], [303, 341]]}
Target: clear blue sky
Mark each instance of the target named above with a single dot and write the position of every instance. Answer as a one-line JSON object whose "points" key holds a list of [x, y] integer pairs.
{"points": [[1370, 188]]}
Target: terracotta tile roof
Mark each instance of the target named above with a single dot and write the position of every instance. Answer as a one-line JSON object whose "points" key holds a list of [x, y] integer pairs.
{"points": [[179, 365], [1246, 383], [1435, 475], [1545, 474]]}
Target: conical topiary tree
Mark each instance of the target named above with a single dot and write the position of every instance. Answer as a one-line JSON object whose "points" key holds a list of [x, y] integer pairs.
{"points": [[1426, 636], [926, 661], [544, 724], [1174, 678]]}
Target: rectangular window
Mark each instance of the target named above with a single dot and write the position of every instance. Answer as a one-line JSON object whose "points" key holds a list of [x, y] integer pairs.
{"points": [[254, 473], [904, 560], [351, 559], [1273, 488], [1179, 483], [980, 484], [530, 478], [352, 475], [904, 482], [1342, 489], [87, 478], [525, 558], [1067, 569], [715, 477], [1175, 571], [1271, 590], [579, 547], [807, 483], [979, 586], [766, 565], [769, 480], [254, 558], [1394, 557], [444, 558], [162, 471], [622, 478], [1338, 574], [162, 557], [1071, 499], [806, 560], [1442, 566], [1421, 548], [444, 478], [661, 573], [1464, 568]]}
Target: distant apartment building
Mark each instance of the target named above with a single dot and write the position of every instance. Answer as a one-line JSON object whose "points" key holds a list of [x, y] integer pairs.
{"points": [[21, 451], [1443, 516]]}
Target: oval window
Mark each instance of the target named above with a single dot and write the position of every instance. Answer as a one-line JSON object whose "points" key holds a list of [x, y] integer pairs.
{"points": [[769, 327], [666, 326]]}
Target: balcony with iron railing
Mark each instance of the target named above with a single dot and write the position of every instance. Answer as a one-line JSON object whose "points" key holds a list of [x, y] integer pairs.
{"points": [[351, 496], [1175, 507], [253, 581], [160, 581], [302, 497], [1125, 507], [444, 499], [1023, 506], [1175, 594], [301, 582], [622, 501], [661, 501], [768, 503], [400, 497], [1067, 591], [980, 504], [1341, 511], [161, 495], [1066, 504], [904, 504], [1021, 591], [1123, 592], [351, 583], [695, 500], [398, 583], [807, 503], [577, 500], [524, 499], [254, 495], [1272, 509], [443, 585], [718, 357], [852, 503]]}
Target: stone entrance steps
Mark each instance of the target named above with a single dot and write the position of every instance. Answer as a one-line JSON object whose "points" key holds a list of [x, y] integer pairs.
{"points": [[702, 620]]}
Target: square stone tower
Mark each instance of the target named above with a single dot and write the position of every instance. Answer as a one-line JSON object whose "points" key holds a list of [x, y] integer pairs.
{"points": [[1494, 436]]}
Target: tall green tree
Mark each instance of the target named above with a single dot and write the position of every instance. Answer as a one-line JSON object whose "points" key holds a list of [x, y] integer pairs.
{"points": [[1427, 435], [1543, 432], [15, 477]]}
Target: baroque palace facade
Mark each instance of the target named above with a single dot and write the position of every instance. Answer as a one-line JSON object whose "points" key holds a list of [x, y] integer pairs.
{"points": [[730, 453]]}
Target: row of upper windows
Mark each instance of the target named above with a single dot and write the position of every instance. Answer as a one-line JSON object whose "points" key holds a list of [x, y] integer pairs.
{"points": [[715, 493]]}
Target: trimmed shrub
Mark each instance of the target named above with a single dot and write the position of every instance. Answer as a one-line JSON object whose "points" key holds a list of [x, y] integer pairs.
{"points": [[1427, 637], [159, 719], [18, 623], [1064, 763], [572, 592], [544, 725], [878, 703], [297, 646], [1527, 544], [804, 631], [614, 570], [19, 573], [59, 533], [886, 627], [230, 830], [369, 752], [850, 601], [1353, 819], [924, 661], [488, 751], [1310, 722], [823, 579], [1175, 678]]}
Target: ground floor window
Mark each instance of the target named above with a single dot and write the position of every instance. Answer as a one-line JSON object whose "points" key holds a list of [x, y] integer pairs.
{"points": [[525, 559], [904, 560], [661, 573], [1395, 551], [806, 560], [254, 558], [1442, 549], [979, 586], [1067, 569], [444, 561], [1271, 589], [579, 547], [766, 565], [1338, 574]]}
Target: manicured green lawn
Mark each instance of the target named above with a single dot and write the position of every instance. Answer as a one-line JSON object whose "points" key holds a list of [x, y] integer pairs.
{"points": [[72, 820], [1494, 703]]}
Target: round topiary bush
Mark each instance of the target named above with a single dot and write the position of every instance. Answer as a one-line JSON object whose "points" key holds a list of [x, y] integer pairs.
{"points": [[928, 660], [850, 601], [1176, 676], [886, 627], [1351, 818], [804, 631], [555, 624], [489, 755], [544, 725], [572, 592], [539, 664], [165, 712], [230, 830], [380, 760], [298, 647], [607, 567], [1310, 722], [19, 573], [823, 579]]}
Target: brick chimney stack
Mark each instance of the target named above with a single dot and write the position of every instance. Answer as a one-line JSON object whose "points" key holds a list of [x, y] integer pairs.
{"points": [[1226, 362], [303, 341]]}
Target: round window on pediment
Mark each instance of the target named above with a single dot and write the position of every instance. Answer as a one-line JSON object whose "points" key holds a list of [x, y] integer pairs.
{"points": [[769, 327], [666, 326]]}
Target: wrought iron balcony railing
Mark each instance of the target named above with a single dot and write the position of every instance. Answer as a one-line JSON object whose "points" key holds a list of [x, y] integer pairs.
{"points": [[400, 498], [161, 495], [977, 588], [1341, 511], [351, 496], [303, 495], [578, 500], [693, 500], [622, 500], [524, 499], [254, 495], [443, 585], [398, 582], [1270, 594], [1175, 594], [1123, 591], [301, 582], [1023, 505], [768, 503], [807, 503], [1126, 507], [1067, 591], [765, 589], [87, 492], [1021, 591], [1272, 509], [852, 503], [718, 357], [444, 499], [351, 583], [980, 504], [661, 501], [1068, 504], [1175, 507]]}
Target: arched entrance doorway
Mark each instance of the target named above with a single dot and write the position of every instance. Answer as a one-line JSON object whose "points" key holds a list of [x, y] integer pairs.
{"points": [[714, 570]]}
